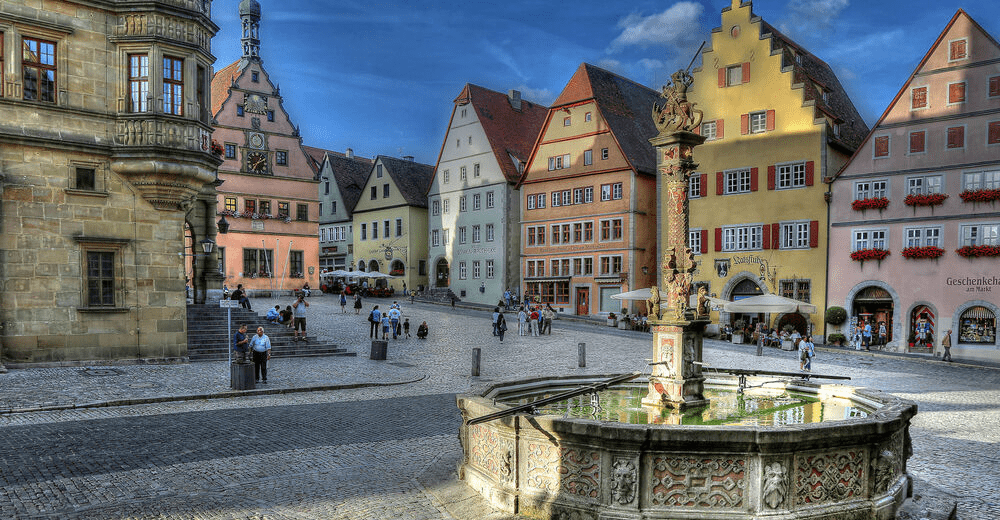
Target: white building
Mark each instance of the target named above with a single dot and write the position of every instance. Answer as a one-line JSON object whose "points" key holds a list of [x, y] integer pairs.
{"points": [[342, 177]]}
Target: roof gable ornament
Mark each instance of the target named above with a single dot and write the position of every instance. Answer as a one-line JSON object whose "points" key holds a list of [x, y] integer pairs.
{"points": [[250, 21]]}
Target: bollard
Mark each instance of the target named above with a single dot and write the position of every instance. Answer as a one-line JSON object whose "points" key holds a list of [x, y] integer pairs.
{"points": [[760, 347], [476, 352], [379, 349], [582, 354]]}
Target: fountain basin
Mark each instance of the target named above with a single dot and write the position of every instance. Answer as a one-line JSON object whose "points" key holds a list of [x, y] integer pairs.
{"points": [[553, 466]]}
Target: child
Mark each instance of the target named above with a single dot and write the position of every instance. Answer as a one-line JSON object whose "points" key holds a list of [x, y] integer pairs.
{"points": [[385, 326], [406, 327]]}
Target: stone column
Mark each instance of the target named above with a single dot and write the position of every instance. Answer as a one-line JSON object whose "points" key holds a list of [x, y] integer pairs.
{"points": [[210, 279]]}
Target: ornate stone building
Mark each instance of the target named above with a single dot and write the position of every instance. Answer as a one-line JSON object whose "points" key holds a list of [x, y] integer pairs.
{"points": [[105, 160]]}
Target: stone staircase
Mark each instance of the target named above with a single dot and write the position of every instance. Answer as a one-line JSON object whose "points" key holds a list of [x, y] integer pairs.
{"points": [[438, 295], [209, 340]]}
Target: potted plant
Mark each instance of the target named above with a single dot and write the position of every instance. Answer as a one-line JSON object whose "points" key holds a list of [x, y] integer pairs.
{"points": [[738, 327], [612, 319], [837, 339], [836, 315]]}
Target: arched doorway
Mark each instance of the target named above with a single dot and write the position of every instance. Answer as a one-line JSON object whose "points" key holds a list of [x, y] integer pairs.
{"points": [[873, 305], [373, 266], [361, 265], [796, 320], [441, 273], [977, 325], [190, 266], [923, 326], [745, 288]]}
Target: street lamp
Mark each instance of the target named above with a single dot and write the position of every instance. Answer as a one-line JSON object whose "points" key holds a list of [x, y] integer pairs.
{"points": [[207, 245], [223, 225]]}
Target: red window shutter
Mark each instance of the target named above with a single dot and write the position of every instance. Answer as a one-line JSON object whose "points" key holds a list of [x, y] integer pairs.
{"points": [[770, 177], [718, 239], [746, 73], [745, 124], [770, 120], [704, 241], [956, 137], [810, 171], [775, 236], [995, 86], [814, 233], [765, 235], [994, 133], [753, 179], [719, 129], [722, 77], [720, 183], [704, 184]]}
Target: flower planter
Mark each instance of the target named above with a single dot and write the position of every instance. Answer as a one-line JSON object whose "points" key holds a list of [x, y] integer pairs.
{"points": [[984, 195], [787, 344], [930, 199], [917, 253], [866, 204], [737, 339], [612, 322], [977, 251]]}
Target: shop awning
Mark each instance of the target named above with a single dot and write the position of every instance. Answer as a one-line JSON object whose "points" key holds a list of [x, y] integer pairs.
{"points": [[978, 313]]}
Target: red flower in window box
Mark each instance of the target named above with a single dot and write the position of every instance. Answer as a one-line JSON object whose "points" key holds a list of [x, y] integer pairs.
{"points": [[975, 251], [984, 195], [916, 253], [879, 203], [931, 199], [217, 149], [869, 254]]}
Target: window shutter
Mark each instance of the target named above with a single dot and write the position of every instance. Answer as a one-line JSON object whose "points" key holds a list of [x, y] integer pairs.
{"points": [[722, 77], [753, 179], [704, 184], [995, 86], [770, 177], [746, 72], [994, 133], [745, 124], [770, 120], [704, 241], [720, 183], [719, 129], [814, 233], [810, 172], [775, 236], [718, 239], [765, 233]]}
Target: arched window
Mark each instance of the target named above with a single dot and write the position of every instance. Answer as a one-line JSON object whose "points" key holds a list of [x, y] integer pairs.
{"points": [[373, 266], [397, 268], [361, 265], [977, 325]]}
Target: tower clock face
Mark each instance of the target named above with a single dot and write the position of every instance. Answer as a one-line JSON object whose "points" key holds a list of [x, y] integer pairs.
{"points": [[257, 162], [256, 141]]}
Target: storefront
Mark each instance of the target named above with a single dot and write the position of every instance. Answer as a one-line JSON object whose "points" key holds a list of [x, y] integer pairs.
{"points": [[977, 325], [873, 305]]}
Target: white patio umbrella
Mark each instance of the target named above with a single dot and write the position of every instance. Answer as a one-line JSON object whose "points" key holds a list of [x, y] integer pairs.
{"points": [[638, 294], [339, 273], [769, 303]]}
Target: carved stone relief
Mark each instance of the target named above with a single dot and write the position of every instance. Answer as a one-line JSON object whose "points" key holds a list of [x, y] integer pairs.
{"points": [[490, 452], [690, 482], [829, 477], [775, 485], [624, 478], [563, 470]]}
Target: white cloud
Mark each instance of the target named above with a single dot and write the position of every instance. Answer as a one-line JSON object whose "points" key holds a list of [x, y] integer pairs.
{"points": [[504, 58], [811, 18], [678, 25], [541, 96]]}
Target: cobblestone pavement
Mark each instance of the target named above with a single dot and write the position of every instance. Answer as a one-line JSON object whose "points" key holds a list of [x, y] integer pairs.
{"points": [[377, 439]]}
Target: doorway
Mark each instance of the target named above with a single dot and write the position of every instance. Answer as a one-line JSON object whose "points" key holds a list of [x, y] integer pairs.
{"points": [[582, 301], [441, 273]]}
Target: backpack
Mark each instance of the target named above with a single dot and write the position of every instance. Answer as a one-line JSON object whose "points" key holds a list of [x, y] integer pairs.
{"points": [[371, 317]]}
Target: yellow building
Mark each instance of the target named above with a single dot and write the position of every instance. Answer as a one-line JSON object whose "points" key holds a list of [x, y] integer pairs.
{"points": [[777, 122], [390, 223]]}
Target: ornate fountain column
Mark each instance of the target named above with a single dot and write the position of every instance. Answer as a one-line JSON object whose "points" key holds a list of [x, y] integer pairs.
{"points": [[676, 380]]}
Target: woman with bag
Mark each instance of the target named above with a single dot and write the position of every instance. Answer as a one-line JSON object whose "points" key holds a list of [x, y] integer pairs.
{"points": [[501, 326]]}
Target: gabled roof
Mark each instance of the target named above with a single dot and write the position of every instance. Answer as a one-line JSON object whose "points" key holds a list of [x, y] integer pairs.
{"points": [[413, 179], [221, 81], [906, 85], [809, 71], [510, 131], [626, 106], [350, 173]]}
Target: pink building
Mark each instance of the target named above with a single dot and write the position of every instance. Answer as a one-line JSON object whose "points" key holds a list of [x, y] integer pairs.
{"points": [[922, 189]]}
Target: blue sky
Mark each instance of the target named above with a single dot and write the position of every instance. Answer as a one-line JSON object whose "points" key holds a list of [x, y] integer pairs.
{"points": [[379, 76]]}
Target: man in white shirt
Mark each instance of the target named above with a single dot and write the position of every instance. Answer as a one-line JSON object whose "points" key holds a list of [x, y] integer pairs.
{"points": [[260, 345]]}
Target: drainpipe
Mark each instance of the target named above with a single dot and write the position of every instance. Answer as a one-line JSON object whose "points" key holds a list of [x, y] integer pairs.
{"points": [[3, 369]]}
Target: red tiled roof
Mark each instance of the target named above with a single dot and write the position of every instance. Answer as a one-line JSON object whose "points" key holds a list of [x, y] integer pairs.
{"points": [[221, 82], [509, 130]]}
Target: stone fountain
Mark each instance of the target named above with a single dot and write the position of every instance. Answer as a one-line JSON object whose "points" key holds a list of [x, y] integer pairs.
{"points": [[590, 468]]}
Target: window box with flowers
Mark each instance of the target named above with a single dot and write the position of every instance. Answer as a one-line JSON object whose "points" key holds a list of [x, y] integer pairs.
{"points": [[217, 149], [917, 253], [879, 203], [862, 255], [984, 195], [930, 199], [977, 251]]}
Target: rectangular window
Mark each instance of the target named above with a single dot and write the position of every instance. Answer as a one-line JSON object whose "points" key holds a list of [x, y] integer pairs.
{"points": [[531, 201], [445, 206], [461, 235], [378, 171], [173, 86], [258, 263], [270, 115], [795, 290], [984, 180], [956, 137], [694, 186], [265, 207], [993, 132], [282, 210], [734, 75], [476, 205], [870, 189], [556, 198], [138, 83], [374, 230], [435, 208], [741, 238], [994, 86], [869, 239], [230, 151], [611, 229], [86, 179], [611, 264], [588, 195], [923, 185], [795, 235], [881, 146], [540, 201], [567, 198], [588, 231], [918, 141], [476, 235], [250, 206], [758, 122], [616, 191], [958, 50], [295, 264], [373, 193], [588, 157], [981, 234], [447, 174], [923, 237], [604, 153], [462, 175], [364, 231], [385, 191], [476, 269], [475, 170], [461, 203], [490, 235], [239, 110], [708, 130], [605, 192], [956, 93], [490, 269], [100, 279], [490, 199], [399, 227], [737, 181], [39, 66], [385, 228], [281, 158], [231, 204], [435, 238], [577, 195], [694, 241], [791, 175], [463, 271], [918, 98], [302, 212]]}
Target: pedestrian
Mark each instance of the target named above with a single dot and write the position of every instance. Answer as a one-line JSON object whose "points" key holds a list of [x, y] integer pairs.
{"points": [[385, 326], [496, 314], [357, 304], [548, 314], [946, 343], [501, 326], [413, 294], [506, 299], [375, 317], [394, 318], [806, 352], [406, 328], [343, 303], [261, 346], [422, 331], [274, 314], [300, 317], [306, 291], [404, 287], [534, 320], [240, 296], [882, 336], [866, 336], [522, 322], [286, 317], [240, 344]]}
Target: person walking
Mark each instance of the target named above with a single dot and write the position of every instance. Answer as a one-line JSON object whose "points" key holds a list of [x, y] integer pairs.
{"points": [[394, 318], [343, 302], [496, 314], [946, 343], [357, 304], [522, 322], [866, 336], [300, 318], [385, 326], [240, 344], [807, 350], [375, 318], [501, 326], [406, 328], [506, 299], [882, 336], [548, 314], [261, 347], [534, 321]]}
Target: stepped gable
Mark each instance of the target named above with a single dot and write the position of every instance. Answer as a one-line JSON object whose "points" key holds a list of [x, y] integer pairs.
{"points": [[510, 131], [626, 106], [413, 179], [810, 71]]}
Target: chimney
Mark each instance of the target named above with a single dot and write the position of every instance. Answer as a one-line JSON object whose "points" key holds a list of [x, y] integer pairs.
{"points": [[349, 153], [408, 158], [515, 99]]}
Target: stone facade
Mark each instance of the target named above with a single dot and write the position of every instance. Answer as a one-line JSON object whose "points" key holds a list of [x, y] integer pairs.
{"points": [[101, 172]]}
